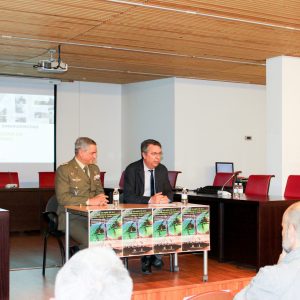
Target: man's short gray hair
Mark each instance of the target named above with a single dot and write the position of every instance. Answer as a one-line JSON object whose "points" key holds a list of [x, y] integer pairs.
{"points": [[83, 143], [292, 215], [145, 144], [93, 273]]}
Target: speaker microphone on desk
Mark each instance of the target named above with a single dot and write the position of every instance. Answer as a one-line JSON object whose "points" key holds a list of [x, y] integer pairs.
{"points": [[225, 194]]}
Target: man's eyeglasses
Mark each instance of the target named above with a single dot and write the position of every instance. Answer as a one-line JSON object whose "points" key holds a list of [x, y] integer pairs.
{"points": [[159, 154]]}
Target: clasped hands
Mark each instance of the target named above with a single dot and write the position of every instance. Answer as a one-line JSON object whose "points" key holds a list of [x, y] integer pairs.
{"points": [[100, 199], [159, 198]]}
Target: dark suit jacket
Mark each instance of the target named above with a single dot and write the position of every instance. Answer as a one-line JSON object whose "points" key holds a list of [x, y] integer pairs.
{"points": [[134, 180]]}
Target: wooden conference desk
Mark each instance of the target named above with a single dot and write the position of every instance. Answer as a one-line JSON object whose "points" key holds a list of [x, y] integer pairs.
{"points": [[145, 229], [25, 206], [245, 230], [4, 254]]}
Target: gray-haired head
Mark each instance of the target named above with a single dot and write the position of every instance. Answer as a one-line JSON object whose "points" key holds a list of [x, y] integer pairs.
{"points": [[146, 143], [83, 143], [93, 273]]}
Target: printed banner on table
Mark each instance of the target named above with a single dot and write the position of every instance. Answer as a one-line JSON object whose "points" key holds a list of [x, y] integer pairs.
{"points": [[146, 231], [137, 231], [195, 228], [167, 230], [106, 229]]}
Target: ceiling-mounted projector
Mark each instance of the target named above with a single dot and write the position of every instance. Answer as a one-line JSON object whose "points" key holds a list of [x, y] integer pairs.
{"points": [[52, 65], [48, 66]]}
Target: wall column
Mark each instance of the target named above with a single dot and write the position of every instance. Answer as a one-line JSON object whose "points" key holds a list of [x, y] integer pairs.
{"points": [[283, 122]]}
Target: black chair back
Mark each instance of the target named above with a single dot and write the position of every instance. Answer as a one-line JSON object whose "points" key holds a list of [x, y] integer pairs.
{"points": [[51, 219]]}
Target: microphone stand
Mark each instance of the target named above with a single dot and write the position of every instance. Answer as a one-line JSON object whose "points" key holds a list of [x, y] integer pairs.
{"points": [[225, 194]]}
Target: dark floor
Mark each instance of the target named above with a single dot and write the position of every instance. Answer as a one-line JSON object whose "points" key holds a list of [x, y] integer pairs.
{"points": [[27, 282]]}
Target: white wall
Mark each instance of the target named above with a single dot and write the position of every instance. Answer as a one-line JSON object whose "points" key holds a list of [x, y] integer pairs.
{"points": [[93, 110], [197, 122], [211, 121], [148, 112]]}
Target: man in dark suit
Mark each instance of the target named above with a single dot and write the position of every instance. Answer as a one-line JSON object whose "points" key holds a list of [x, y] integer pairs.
{"points": [[146, 181]]}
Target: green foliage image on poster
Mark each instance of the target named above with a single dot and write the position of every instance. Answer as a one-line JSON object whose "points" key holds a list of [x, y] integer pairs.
{"points": [[174, 224], [145, 226], [114, 228], [97, 232], [188, 227], [129, 230], [160, 228], [203, 222]]}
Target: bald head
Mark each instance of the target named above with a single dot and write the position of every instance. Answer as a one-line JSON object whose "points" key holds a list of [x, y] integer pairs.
{"points": [[292, 216], [291, 228]]}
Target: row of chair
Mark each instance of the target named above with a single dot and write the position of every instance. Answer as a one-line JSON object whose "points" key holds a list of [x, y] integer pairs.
{"points": [[47, 179], [256, 184], [259, 184]]}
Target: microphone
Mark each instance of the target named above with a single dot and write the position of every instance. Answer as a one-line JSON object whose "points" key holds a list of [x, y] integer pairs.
{"points": [[225, 194]]}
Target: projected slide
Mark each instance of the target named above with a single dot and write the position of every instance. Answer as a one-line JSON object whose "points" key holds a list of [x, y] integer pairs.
{"points": [[26, 128]]}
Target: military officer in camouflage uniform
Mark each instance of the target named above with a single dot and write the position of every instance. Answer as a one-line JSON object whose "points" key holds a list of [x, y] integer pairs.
{"points": [[78, 182]]}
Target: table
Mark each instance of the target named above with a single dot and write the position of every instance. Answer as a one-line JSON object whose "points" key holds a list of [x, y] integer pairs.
{"points": [[145, 229], [25, 206], [4, 254], [245, 230]]}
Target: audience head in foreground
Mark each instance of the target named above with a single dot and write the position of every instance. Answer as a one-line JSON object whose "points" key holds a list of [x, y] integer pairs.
{"points": [[281, 281], [93, 273]]}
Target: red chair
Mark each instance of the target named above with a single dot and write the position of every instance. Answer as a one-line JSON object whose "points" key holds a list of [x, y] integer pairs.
{"points": [[47, 179], [121, 182], [173, 178], [213, 295], [292, 188], [9, 178], [221, 178], [258, 185], [102, 174]]}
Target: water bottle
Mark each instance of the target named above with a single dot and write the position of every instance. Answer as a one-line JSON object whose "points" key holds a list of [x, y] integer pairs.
{"points": [[236, 191], [116, 198], [240, 189], [184, 197]]}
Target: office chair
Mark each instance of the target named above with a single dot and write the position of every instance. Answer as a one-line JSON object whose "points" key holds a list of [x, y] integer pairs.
{"points": [[213, 295], [292, 188], [173, 178], [51, 219], [46, 179], [258, 185], [102, 175], [221, 178], [9, 178], [121, 182]]}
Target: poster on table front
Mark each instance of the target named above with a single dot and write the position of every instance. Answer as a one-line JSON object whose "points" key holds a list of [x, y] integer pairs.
{"points": [[195, 228], [106, 229], [167, 230], [137, 231]]}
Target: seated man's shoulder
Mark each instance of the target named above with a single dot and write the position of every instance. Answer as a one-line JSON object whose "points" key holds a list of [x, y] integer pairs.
{"points": [[162, 167], [65, 167], [134, 165]]}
